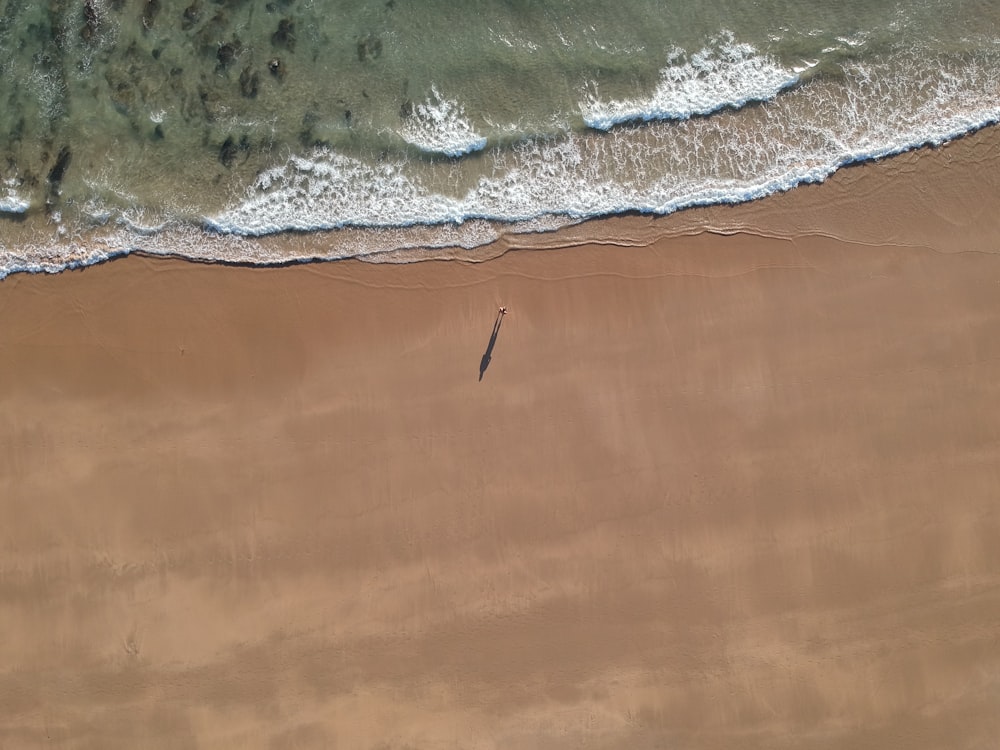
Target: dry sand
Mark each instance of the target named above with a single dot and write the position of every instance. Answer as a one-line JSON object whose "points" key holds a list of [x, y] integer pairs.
{"points": [[712, 492]]}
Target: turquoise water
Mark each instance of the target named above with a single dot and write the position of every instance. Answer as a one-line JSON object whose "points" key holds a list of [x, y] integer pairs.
{"points": [[174, 125]]}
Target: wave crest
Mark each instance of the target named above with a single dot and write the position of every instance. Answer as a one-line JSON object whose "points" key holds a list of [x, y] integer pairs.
{"points": [[439, 126], [13, 202], [724, 74], [876, 108]]}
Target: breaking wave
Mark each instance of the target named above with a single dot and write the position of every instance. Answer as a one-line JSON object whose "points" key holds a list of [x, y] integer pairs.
{"points": [[723, 74], [13, 202], [439, 126], [802, 136], [394, 206]]}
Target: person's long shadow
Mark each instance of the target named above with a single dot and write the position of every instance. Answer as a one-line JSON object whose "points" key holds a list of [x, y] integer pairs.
{"points": [[488, 354]]}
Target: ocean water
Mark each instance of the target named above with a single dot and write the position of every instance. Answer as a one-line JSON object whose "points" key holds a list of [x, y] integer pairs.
{"points": [[200, 128]]}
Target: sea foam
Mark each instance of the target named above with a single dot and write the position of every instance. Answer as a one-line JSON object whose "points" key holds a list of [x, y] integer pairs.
{"points": [[723, 74], [386, 207], [728, 158], [439, 126], [13, 202]]}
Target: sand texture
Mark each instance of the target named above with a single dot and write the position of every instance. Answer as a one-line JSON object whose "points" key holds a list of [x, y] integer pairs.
{"points": [[711, 491]]}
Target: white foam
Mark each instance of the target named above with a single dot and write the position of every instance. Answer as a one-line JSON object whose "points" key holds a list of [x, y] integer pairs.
{"points": [[725, 74], [378, 209], [329, 191], [13, 203], [802, 137], [439, 126]]}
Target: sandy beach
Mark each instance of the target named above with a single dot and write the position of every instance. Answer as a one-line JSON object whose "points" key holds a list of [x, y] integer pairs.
{"points": [[717, 489]]}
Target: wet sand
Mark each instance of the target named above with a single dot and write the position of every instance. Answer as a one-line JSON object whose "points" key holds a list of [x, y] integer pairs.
{"points": [[711, 491]]}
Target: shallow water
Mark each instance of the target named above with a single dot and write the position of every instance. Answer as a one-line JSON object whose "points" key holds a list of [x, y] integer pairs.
{"points": [[139, 122]]}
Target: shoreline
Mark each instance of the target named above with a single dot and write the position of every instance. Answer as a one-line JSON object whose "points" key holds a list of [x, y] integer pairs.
{"points": [[780, 214], [713, 490]]}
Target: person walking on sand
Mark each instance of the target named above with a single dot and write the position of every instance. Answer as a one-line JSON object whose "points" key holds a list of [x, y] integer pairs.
{"points": [[503, 311]]}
